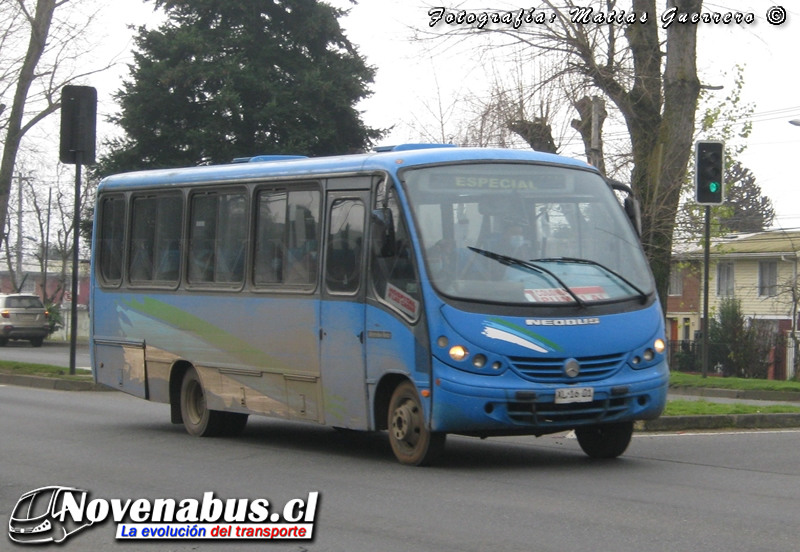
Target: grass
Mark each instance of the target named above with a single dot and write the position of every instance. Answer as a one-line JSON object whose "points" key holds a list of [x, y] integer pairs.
{"points": [[42, 370], [679, 379], [705, 408]]}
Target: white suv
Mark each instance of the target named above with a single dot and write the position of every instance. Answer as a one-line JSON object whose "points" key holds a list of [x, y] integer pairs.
{"points": [[22, 316]]}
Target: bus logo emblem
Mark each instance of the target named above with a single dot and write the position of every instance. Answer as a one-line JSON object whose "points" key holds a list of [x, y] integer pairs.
{"points": [[572, 368]]}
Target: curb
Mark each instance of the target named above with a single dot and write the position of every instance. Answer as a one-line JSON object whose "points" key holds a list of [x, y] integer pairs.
{"points": [[51, 383], [725, 421]]}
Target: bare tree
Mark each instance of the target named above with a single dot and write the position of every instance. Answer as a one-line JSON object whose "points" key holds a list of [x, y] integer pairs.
{"points": [[33, 74]]}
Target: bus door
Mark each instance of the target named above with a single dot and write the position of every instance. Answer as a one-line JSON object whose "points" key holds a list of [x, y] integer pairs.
{"points": [[342, 316]]}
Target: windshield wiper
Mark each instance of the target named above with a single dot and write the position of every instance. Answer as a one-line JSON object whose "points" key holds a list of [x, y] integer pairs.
{"points": [[511, 261], [575, 260]]}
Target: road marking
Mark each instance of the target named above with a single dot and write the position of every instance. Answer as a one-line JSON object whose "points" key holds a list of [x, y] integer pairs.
{"points": [[696, 433]]}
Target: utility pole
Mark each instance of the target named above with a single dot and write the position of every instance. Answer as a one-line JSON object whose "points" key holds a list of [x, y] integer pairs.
{"points": [[19, 232], [46, 245]]}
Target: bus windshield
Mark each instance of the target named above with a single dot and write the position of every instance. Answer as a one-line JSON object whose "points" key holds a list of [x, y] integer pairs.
{"points": [[525, 233]]}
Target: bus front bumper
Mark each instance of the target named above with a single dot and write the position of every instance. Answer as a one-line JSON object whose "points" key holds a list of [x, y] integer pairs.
{"points": [[508, 405]]}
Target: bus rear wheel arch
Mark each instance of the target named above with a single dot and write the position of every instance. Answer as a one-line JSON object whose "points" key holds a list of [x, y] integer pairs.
{"points": [[198, 419], [605, 440], [412, 441]]}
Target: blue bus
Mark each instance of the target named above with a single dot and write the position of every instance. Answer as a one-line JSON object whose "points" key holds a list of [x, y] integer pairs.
{"points": [[420, 289]]}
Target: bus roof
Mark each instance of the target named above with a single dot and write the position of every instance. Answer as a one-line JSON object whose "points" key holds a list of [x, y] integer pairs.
{"points": [[295, 166]]}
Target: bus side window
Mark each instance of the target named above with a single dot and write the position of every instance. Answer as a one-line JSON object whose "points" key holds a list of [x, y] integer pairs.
{"points": [[345, 240], [217, 232], [155, 239], [112, 226], [394, 277], [287, 238]]}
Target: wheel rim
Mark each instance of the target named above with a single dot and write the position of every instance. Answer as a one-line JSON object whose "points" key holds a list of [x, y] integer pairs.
{"points": [[407, 423], [195, 402]]}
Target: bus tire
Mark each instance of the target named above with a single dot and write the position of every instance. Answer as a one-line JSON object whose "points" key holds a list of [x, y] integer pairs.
{"points": [[605, 440], [412, 442], [198, 420]]}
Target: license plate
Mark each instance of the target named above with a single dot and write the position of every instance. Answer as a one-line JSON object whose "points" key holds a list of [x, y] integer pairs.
{"points": [[574, 394], [27, 317]]}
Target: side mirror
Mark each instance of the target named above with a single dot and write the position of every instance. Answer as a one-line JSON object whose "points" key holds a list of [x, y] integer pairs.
{"points": [[632, 206], [383, 237], [634, 211]]}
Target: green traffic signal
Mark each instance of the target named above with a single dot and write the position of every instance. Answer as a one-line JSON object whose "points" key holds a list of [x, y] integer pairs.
{"points": [[709, 172]]}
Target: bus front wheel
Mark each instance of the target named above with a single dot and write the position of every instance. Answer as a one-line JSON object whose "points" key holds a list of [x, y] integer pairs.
{"points": [[412, 442], [198, 420], [605, 440]]}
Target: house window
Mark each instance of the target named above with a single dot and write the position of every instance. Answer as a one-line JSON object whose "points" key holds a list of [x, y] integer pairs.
{"points": [[725, 279], [768, 278], [675, 281]]}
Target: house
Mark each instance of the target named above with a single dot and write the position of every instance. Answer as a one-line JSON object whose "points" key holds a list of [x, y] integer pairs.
{"points": [[760, 269]]}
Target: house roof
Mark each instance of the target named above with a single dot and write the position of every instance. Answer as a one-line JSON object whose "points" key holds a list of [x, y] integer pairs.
{"points": [[759, 244]]}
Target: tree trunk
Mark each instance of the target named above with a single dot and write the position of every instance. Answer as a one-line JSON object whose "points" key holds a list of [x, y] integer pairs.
{"points": [[40, 28], [670, 157]]}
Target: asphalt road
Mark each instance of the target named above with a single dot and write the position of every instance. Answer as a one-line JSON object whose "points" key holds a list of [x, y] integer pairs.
{"points": [[733, 491]]}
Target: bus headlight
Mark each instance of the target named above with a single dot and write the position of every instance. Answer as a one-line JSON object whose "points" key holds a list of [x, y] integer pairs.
{"points": [[458, 352], [479, 361], [646, 357]]}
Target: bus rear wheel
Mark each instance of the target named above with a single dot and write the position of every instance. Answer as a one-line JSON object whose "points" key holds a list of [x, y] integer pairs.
{"points": [[605, 440], [412, 442], [198, 420]]}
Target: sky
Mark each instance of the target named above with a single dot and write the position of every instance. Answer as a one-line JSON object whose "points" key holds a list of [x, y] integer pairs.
{"points": [[414, 79]]}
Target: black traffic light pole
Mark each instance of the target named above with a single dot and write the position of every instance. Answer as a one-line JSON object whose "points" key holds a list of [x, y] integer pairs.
{"points": [[706, 258], [73, 314], [709, 187], [77, 147]]}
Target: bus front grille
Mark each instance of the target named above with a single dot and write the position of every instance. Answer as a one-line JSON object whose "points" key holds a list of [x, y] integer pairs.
{"points": [[549, 414], [551, 370]]}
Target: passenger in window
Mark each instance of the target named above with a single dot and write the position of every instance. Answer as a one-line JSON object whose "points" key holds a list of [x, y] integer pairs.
{"points": [[514, 242]]}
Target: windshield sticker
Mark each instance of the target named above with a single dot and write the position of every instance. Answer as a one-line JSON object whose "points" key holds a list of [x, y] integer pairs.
{"points": [[402, 300], [559, 295], [511, 333]]}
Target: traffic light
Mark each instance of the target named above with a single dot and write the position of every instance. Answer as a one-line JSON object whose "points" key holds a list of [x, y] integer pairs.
{"points": [[78, 125], [708, 172]]}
